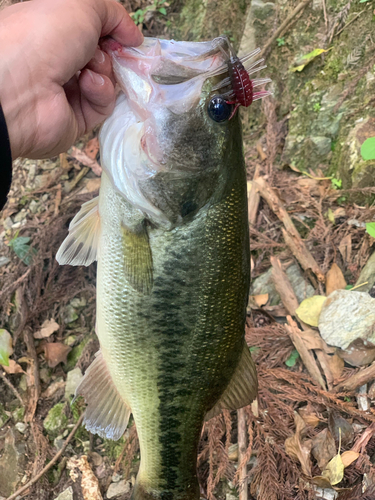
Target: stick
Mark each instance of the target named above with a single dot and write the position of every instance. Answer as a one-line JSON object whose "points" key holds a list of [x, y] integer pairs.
{"points": [[50, 464], [306, 356], [253, 199], [242, 447], [283, 26], [12, 388], [358, 379], [291, 235]]}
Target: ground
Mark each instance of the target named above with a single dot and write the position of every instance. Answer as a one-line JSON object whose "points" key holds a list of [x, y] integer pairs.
{"points": [[310, 434]]}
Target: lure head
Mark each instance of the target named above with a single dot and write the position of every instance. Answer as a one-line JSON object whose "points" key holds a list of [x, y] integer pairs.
{"points": [[169, 124]]}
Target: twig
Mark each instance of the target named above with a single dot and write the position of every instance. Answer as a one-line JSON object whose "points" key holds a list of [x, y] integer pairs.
{"points": [[12, 388], [358, 379], [364, 439], [242, 447], [33, 379], [325, 14], [306, 355], [253, 199], [50, 464], [14, 285], [291, 235], [284, 25]]}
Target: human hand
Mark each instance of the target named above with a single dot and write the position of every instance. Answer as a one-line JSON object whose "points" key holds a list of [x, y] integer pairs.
{"points": [[43, 46]]}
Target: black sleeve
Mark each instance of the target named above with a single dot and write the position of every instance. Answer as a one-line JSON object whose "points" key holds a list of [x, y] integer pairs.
{"points": [[5, 161]]}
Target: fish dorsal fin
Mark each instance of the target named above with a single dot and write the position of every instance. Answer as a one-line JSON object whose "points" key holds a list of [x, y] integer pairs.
{"points": [[138, 258], [80, 246], [242, 388], [106, 414]]}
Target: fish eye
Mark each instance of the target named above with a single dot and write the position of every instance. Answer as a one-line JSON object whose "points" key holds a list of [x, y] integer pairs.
{"points": [[218, 109]]}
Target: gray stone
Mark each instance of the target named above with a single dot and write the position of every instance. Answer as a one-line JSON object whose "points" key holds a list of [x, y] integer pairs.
{"points": [[20, 216], [367, 274], [12, 463], [8, 223], [322, 144], [21, 427], [34, 206], [347, 316], [264, 284], [258, 9], [120, 488], [66, 494], [73, 378], [4, 261]]}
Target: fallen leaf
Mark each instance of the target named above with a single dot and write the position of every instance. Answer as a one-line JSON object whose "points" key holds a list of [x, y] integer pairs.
{"points": [[6, 347], [56, 353], [261, 300], [348, 457], [336, 365], [334, 471], [313, 340], [298, 449], [321, 482], [345, 248], [307, 58], [323, 448], [86, 160], [13, 368], [309, 309], [358, 353], [89, 483], [340, 427], [309, 416], [49, 327], [334, 279], [92, 148], [339, 212]]}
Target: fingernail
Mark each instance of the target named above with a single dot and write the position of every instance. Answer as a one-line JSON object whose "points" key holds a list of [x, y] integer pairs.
{"points": [[99, 56], [96, 78]]}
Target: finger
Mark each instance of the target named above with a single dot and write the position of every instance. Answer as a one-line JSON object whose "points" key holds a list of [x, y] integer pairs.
{"points": [[101, 63], [117, 23], [97, 97]]}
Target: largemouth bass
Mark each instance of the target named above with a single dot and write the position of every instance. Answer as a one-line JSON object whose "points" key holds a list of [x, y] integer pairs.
{"points": [[169, 231]]}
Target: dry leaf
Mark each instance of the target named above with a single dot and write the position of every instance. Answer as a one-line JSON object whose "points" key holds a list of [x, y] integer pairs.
{"points": [[261, 300], [89, 483], [92, 148], [85, 160], [334, 471], [334, 279], [297, 449], [345, 248], [49, 327], [313, 340], [309, 416], [13, 368], [358, 353], [339, 426], [321, 482], [323, 448], [56, 353], [309, 309], [336, 365], [348, 457]]}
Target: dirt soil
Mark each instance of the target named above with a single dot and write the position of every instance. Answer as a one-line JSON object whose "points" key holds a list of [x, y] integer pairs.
{"points": [[309, 434]]}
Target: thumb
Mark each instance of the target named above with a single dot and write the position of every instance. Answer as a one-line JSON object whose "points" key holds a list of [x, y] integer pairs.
{"points": [[117, 23]]}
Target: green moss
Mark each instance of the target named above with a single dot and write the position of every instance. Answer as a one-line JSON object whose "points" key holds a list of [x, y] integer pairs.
{"points": [[113, 449], [18, 414], [75, 354], [56, 420]]}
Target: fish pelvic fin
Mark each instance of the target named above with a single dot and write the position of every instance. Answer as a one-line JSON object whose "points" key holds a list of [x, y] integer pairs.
{"points": [[138, 258], [106, 414], [242, 388], [80, 246]]}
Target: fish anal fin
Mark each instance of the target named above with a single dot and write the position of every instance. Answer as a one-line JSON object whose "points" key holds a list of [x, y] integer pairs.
{"points": [[242, 388], [80, 246], [106, 414], [138, 258]]}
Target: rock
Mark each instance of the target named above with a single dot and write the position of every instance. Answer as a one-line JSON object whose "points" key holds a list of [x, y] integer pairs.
{"points": [[116, 478], [12, 463], [367, 274], [258, 10], [347, 316], [21, 427], [56, 420], [116, 489], [4, 261], [8, 223], [264, 284], [73, 378], [20, 216], [66, 494]]}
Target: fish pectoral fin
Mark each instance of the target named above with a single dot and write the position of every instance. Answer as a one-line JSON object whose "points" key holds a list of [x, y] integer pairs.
{"points": [[80, 246], [138, 258], [106, 414], [242, 388]]}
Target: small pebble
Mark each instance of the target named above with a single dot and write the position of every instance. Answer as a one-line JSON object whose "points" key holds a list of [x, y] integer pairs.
{"points": [[21, 427], [116, 489]]}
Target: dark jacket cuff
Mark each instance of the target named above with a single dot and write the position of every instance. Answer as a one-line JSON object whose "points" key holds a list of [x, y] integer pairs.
{"points": [[5, 161]]}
